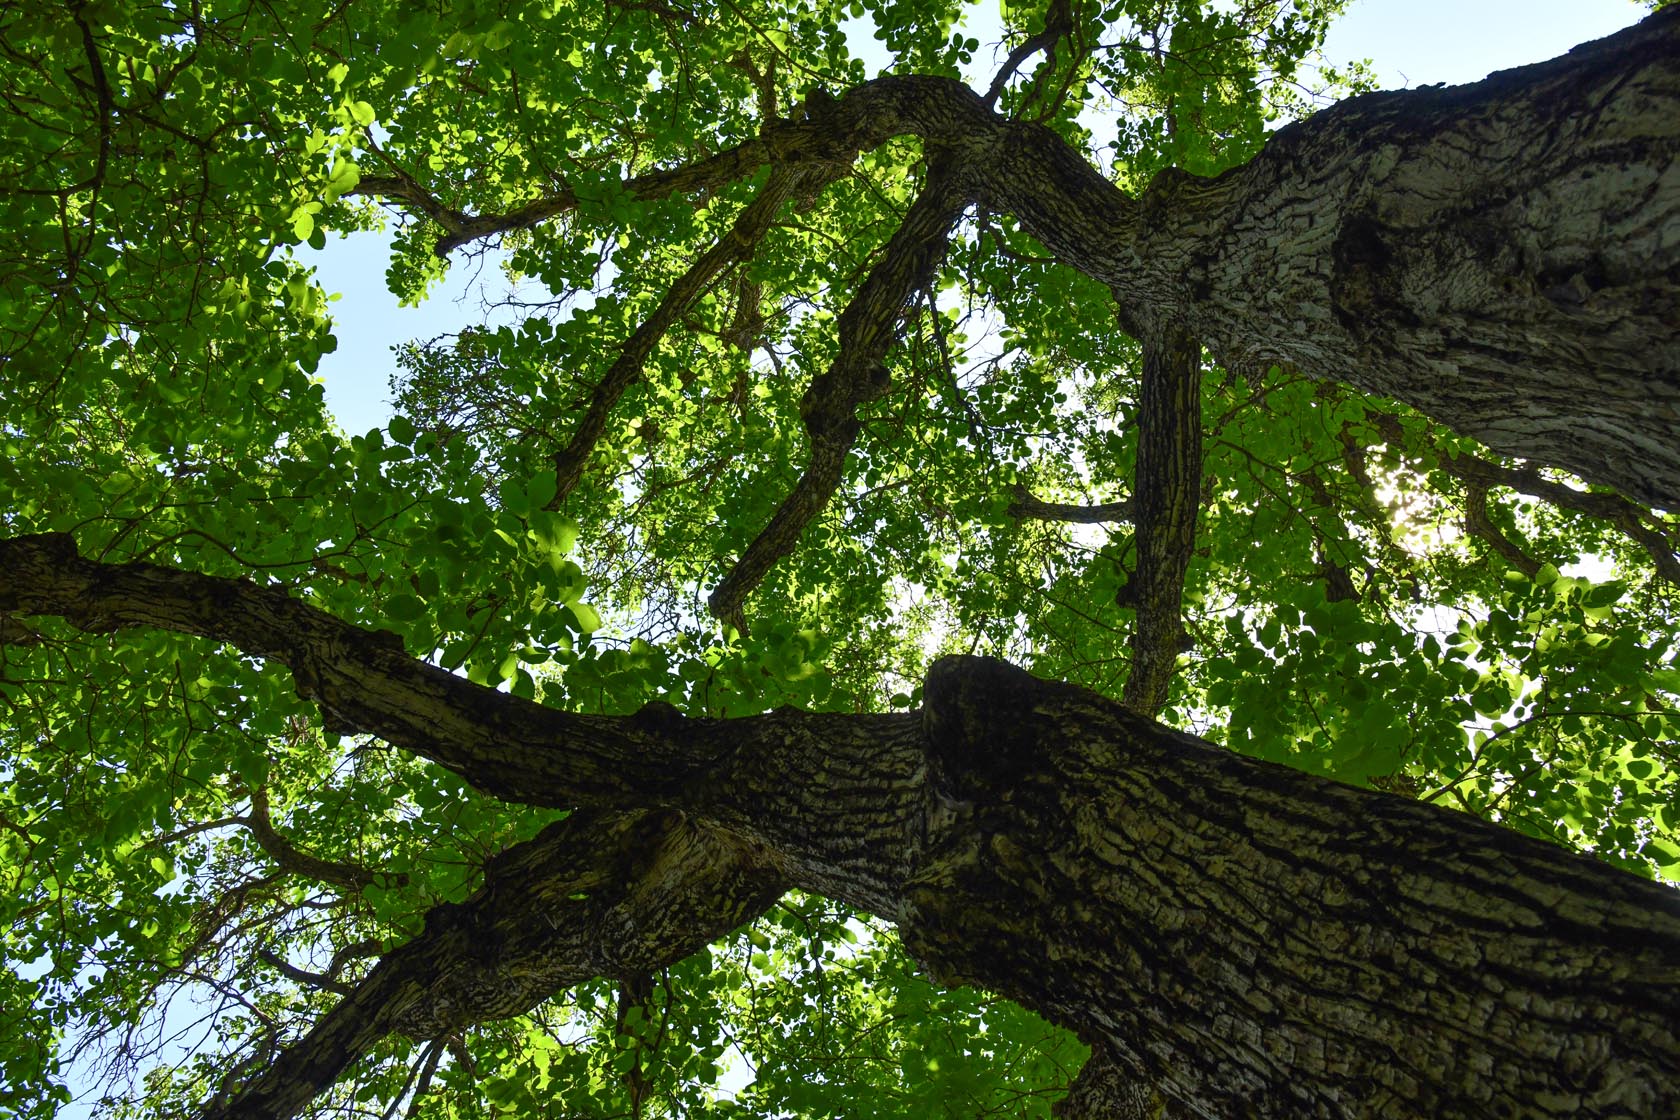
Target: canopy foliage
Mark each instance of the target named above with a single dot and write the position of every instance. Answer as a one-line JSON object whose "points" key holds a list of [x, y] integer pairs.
{"points": [[195, 867]]}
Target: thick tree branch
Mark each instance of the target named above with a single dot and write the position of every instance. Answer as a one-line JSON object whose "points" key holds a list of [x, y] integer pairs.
{"points": [[1167, 498], [363, 680], [738, 244], [1478, 252], [1255, 941], [867, 328], [1024, 505], [1247, 938], [729, 770], [1482, 252], [597, 894]]}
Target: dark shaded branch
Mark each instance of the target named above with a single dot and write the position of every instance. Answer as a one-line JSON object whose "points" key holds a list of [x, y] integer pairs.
{"points": [[401, 187], [302, 975], [1478, 524], [867, 329], [295, 860], [750, 774], [1635, 522], [1246, 938], [1166, 500], [1058, 22], [663, 11], [876, 113], [1376, 221], [738, 244], [1026, 506], [363, 680], [597, 894], [1367, 502]]}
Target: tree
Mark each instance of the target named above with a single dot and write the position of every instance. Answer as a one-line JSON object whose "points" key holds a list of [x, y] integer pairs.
{"points": [[319, 734]]}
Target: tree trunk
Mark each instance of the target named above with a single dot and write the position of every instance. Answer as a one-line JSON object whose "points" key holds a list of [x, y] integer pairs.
{"points": [[1501, 256], [1240, 937], [1244, 939], [1259, 942]]}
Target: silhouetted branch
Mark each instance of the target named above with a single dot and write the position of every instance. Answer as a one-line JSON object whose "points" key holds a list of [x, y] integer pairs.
{"points": [[868, 327], [1026, 506]]}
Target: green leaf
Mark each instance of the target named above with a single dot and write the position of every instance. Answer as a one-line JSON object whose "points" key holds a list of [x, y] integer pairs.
{"points": [[405, 607], [588, 619]]}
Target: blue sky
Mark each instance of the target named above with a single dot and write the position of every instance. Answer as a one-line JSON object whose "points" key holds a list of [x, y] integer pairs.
{"points": [[1410, 43]]}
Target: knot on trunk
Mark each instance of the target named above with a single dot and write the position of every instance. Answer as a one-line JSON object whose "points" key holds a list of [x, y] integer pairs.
{"points": [[984, 735]]}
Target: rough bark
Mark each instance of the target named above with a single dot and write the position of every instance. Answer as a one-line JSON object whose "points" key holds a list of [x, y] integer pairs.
{"points": [[1166, 500], [1245, 939], [1259, 942], [597, 894], [844, 786], [1500, 256], [1497, 255]]}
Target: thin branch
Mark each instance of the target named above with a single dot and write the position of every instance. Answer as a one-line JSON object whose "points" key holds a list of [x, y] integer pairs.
{"points": [[295, 860], [875, 113], [1058, 22], [867, 328], [1634, 521], [738, 244], [1478, 524], [302, 976]]}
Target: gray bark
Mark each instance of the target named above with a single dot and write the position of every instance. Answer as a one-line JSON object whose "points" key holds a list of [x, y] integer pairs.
{"points": [[1254, 941], [1501, 255], [1240, 938]]}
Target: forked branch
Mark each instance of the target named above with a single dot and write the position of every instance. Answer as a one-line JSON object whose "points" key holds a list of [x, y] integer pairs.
{"points": [[868, 327], [597, 894]]}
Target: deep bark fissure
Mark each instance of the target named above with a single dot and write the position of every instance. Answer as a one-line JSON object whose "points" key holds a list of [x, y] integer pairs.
{"points": [[1255, 941]]}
